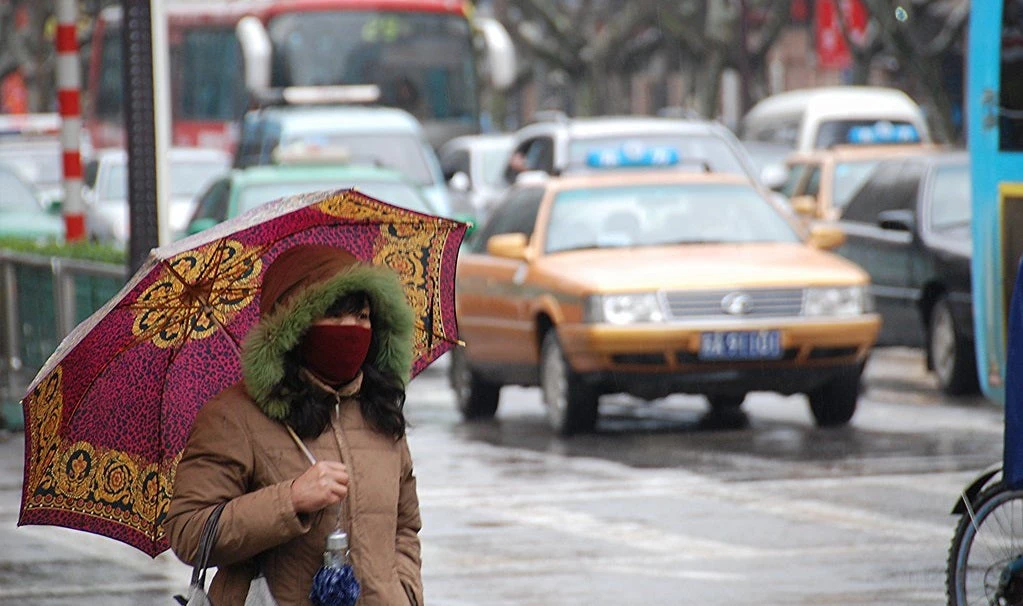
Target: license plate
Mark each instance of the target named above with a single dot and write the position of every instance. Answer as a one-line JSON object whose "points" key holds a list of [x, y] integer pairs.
{"points": [[741, 345]]}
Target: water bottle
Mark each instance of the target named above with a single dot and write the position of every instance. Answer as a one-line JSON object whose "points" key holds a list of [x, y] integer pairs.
{"points": [[336, 554]]}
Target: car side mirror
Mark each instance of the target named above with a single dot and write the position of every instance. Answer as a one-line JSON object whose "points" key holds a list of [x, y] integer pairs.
{"points": [[460, 182], [774, 176], [826, 237], [896, 220], [804, 205], [200, 225], [508, 246]]}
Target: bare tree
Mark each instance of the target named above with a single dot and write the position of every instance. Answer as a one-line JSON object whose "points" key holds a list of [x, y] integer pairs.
{"points": [[27, 44], [920, 36]]}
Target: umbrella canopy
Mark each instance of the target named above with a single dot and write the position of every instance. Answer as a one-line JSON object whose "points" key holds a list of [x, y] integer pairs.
{"points": [[107, 417]]}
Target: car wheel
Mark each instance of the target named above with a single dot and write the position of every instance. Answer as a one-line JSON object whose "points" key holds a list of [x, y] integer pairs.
{"points": [[951, 356], [572, 406], [726, 404], [477, 398], [834, 403]]}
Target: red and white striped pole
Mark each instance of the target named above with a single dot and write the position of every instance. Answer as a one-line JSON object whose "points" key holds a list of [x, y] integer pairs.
{"points": [[69, 84]]}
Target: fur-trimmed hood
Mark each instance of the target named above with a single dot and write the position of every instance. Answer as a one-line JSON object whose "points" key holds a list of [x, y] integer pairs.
{"points": [[302, 292]]}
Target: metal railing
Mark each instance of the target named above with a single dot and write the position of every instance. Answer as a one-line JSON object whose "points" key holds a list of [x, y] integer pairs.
{"points": [[42, 299]]}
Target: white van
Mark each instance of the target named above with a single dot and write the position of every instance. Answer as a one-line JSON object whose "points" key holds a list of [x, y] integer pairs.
{"points": [[823, 117]]}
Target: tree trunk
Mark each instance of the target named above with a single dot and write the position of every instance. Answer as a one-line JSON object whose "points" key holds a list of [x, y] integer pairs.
{"points": [[710, 83]]}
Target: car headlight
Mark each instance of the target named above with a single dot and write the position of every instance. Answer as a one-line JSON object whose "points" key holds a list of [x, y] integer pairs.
{"points": [[624, 309], [837, 301]]}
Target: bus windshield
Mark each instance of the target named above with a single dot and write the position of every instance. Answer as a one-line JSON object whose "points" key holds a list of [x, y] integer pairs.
{"points": [[422, 62]]}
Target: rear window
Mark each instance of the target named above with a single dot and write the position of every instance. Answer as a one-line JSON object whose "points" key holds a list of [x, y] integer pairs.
{"points": [[402, 153], [691, 150]]}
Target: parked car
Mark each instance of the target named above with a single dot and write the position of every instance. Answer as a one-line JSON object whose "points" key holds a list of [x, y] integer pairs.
{"points": [[30, 144], [21, 210], [385, 137], [653, 283], [821, 182], [474, 166], [242, 190], [909, 227], [819, 118], [106, 190], [559, 145]]}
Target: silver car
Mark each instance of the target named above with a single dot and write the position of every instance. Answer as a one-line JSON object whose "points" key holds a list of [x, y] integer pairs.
{"points": [[106, 190]]}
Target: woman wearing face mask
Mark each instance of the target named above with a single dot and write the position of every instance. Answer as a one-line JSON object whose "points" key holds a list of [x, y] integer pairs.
{"points": [[328, 360]]}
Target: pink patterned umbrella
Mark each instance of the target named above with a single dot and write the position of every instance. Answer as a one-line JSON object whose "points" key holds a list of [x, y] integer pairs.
{"points": [[107, 417]]}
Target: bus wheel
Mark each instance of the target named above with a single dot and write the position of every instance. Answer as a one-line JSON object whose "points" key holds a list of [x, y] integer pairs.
{"points": [[950, 354]]}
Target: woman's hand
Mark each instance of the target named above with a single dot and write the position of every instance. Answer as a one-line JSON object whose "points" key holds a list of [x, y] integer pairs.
{"points": [[323, 484]]}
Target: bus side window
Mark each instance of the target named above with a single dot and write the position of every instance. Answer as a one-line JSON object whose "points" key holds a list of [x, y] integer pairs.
{"points": [[1010, 121]]}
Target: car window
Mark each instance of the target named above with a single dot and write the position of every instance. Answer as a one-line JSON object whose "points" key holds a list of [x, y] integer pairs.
{"points": [[657, 215], [836, 132], [847, 180], [950, 197], [794, 179], [892, 186], [456, 161], [213, 202], [17, 197], [540, 155], [813, 181], [516, 215], [404, 153], [714, 152], [187, 179]]}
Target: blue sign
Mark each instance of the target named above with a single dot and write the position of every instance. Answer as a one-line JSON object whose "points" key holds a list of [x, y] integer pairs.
{"points": [[883, 132], [632, 155]]}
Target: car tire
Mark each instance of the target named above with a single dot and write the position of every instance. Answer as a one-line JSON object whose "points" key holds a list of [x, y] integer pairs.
{"points": [[726, 403], [572, 405], [477, 399], [950, 355], [834, 403]]}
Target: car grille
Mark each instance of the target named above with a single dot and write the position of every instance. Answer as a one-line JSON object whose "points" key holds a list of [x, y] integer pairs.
{"points": [[760, 303]]}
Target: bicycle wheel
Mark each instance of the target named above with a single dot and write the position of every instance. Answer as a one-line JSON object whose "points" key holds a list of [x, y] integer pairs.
{"points": [[985, 562]]}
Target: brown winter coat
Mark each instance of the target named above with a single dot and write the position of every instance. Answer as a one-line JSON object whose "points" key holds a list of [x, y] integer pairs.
{"points": [[240, 453]]}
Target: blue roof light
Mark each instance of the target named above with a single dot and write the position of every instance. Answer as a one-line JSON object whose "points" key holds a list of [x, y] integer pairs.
{"points": [[883, 132], [632, 155]]}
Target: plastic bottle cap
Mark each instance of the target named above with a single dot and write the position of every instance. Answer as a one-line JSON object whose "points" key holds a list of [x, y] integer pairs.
{"points": [[337, 541]]}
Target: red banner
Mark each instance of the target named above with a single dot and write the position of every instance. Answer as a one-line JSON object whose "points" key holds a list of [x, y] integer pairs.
{"points": [[832, 51]]}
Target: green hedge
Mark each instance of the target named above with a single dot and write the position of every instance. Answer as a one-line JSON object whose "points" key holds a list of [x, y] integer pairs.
{"points": [[74, 250]]}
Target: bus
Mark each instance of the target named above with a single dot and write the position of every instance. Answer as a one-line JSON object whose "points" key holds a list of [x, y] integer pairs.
{"points": [[208, 96], [421, 54], [995, 141]]}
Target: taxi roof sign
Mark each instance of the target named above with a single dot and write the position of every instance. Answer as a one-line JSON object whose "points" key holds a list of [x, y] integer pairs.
{"points": [[883, 132], [632, 155]]}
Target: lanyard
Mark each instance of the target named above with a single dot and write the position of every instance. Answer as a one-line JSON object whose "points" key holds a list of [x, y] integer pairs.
{"points": [[312, 459]]}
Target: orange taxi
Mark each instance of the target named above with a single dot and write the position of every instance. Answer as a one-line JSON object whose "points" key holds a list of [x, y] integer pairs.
{"points": [[822, 181], [653, 283]]}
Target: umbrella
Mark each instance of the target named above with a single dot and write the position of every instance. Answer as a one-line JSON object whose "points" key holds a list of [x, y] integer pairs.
{"points": [[108, 415]]}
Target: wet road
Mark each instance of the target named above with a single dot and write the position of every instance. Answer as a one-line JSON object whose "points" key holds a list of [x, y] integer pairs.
{"points": [[658, 507]]}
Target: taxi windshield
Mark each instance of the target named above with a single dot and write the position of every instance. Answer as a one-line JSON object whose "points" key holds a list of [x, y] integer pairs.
{"points": [[849, 176], [658, 215]]}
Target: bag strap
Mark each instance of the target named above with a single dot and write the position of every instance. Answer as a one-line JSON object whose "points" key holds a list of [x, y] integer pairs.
{"points": [[206, 542], [301, 445]]}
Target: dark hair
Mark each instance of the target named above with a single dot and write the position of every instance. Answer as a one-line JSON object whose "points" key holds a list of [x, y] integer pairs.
{"points": [[381, 397]]}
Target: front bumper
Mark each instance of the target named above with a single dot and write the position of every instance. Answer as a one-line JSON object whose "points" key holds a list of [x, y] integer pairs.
{"points": [[657, 359]]}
